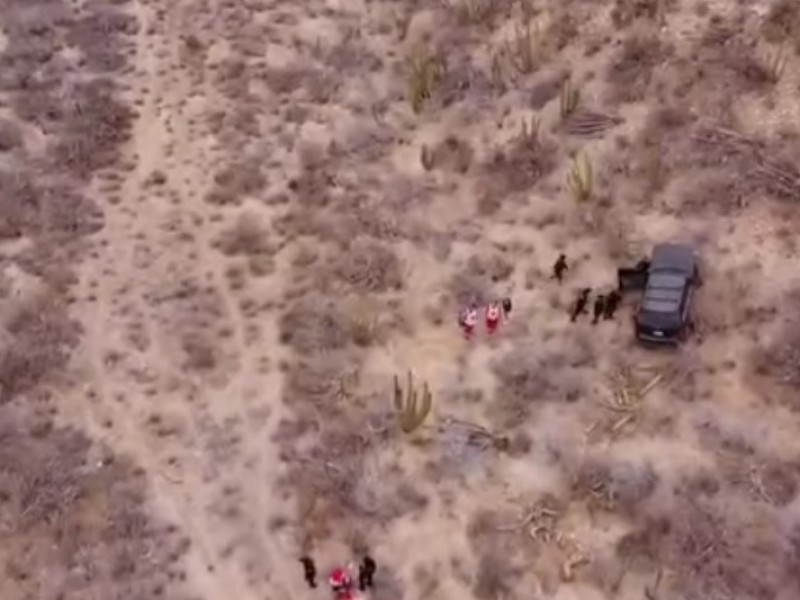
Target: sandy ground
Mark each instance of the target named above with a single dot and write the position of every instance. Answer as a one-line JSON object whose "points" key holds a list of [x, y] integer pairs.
{"points": [[224, 230]]}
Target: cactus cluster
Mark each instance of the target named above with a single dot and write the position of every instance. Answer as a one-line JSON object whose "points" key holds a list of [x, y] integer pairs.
{"points": [[413, 406]]}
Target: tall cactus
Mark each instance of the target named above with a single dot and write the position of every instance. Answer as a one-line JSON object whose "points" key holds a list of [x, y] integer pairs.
{"points": [[412, 410]]}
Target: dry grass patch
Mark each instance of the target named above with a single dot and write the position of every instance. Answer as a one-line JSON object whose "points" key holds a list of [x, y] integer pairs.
{"points": [[631, 70], [368, 266], [42, 337], [528, 159], [234, 182], [247, 236], [66, 511], [782, 23], [451, 154]]}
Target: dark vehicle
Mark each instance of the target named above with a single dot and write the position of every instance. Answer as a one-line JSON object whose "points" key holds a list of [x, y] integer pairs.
{"points": [[633, 278], [663, 316]]}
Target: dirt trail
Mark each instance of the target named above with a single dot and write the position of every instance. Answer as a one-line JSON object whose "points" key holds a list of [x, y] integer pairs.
{"points": [[202, 436]]}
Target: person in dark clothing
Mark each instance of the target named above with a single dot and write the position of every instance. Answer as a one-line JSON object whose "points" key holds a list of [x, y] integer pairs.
{"points": [[309, 571], [506, 303], [366, 571], [599, 308], [580, 304], [559, 267], [612, 302]]}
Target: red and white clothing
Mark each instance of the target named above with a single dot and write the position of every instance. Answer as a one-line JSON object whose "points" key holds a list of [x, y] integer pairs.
{"points": [[492, 317], [340, 579], [469, 319]]}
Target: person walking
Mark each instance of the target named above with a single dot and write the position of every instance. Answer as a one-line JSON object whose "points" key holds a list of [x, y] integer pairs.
{"points": [[612, 302], [366, 573], [580, 304], [309, 571], [559, 267], [468, 319], [599, 308], [492, 317]]}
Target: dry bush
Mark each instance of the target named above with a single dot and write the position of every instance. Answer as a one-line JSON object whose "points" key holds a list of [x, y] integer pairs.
{"points": [[451, 154], [234, 182], [99, 33], [64, 512], [625, 12], [247, 237], [312, 187], [782, 23], [367, 265], [494, 266], [496, 577], [780, 363], [90, 140], [200, 352], [631, 70], [614, 485], [528, 375], [312, 325], [467, 287], [42, 338], [10, 135], [711, 551], [529, 158]]}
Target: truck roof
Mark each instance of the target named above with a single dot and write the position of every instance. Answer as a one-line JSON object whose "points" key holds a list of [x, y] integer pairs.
{"points": [[673, 257]]}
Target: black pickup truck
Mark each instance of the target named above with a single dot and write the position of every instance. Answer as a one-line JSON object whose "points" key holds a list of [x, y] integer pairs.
{"points": [[668, 280]]}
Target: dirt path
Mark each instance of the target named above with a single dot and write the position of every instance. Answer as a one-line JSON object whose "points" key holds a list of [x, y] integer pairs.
{"points": [[201, 435]]}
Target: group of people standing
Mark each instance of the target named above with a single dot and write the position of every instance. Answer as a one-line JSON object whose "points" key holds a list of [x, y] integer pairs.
{"points": [[604, 306], [341, 579], [494, 312]]}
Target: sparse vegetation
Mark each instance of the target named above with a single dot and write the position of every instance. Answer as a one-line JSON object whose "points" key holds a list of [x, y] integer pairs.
{"points": [[424, 72], [580, 179], [287, 194], [525, 48], [774, 63], [782, 23], [569, 99], [413, 405]]}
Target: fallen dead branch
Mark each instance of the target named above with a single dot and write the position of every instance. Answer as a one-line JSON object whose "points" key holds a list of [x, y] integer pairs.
{"points": [[626, 399], [587, 123], [477, 434]]}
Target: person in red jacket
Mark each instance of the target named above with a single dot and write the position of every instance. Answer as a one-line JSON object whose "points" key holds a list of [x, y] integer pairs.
{"points": [[492, 317], [342, 584], [467, 320]]}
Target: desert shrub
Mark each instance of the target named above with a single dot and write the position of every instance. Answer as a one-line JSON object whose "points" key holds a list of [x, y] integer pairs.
{"points": [[200, 353], [452, 154], [10, 135], [43, 337], [528, 159], [247, 237], [631, 70], [712, 551], [614, 485], [626, 12], [235, 181], [91, 139], [779, 362], [528, 375], [99, 35], [782, 23], [496, 578], [494, 266], [368, 266], [312, 325], [61, 516]]}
